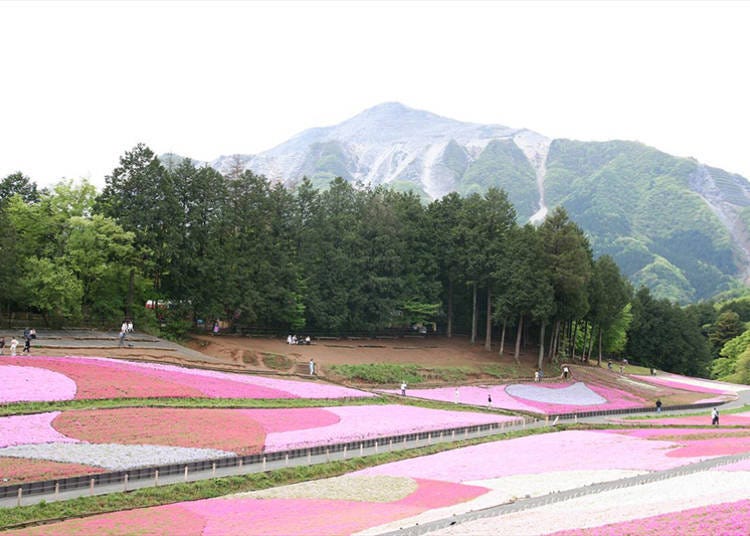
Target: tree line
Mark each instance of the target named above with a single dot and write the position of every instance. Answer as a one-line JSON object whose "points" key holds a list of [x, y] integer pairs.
{"points": [[350, 258]]}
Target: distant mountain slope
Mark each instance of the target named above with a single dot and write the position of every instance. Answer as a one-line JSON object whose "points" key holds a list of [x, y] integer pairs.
{"points": [[672, 224]]}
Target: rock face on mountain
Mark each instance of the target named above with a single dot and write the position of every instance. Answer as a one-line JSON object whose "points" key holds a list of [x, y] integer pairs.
{"points": [[672, 224]]}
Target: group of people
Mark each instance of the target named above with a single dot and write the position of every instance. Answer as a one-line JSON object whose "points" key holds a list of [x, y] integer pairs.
{"points": [[28, 335], [125, 329], [293, 339]]}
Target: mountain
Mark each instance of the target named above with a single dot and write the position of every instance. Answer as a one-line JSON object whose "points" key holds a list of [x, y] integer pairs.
{"points": [[673, 224]]}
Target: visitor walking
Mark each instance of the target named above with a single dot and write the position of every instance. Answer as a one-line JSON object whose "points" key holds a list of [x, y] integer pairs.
{"points": [[658, 405], [489, 400], [27, 341], [13, 345], [715, 417], [2, 345], [403, 388], [312, 367]]}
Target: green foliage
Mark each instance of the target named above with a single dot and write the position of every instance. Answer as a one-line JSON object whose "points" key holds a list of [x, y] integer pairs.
{"points": [[379, 373], [277, 361], [502, 165], [637, 205]]}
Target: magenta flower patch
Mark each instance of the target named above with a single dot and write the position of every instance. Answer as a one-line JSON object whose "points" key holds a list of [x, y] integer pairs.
{"points": [[688, 384]]}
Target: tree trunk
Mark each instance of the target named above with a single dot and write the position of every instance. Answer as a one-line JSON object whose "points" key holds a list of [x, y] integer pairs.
{"points": [[586, 333], [573, 341], [449, 328], [541, 346], [502, 337], [488, 323], [131, 294], [600, 346], [591, 340], [474, 314], [517, 352]]}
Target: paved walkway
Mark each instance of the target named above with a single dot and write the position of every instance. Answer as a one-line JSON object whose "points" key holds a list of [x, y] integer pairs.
{"points": [[105, 340]]}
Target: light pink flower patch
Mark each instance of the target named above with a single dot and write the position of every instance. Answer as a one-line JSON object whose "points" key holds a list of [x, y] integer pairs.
{"points": [[365, 422], [730, 419], [547, 399], [472, 395], [169, 520], [29, 429], [727, 519], [560, 451], [690, 442], [30, 384], [743, 465], [304, 517], [291, 419], [686, 384], [613, 399]]}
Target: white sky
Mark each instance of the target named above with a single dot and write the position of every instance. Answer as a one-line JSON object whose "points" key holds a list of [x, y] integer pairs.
{"points": [[83, 82]]}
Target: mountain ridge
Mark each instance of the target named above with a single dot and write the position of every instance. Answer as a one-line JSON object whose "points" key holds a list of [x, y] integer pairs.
{"points": [[635, 202]]}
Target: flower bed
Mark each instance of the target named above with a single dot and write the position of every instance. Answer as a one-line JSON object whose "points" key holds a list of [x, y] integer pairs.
{"points": [[547, 399], [697, 442], [34, 384], [108, 378], [698, 385], [15, 470], [358, 423], [725, 519], [262, 517], [689, 500], [28, 429], [219, 429], [110, 456]]}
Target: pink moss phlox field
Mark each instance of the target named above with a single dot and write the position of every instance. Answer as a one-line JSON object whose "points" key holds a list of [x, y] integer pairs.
{"points": [[729, 419], [309, 517], [675, 383], [615, 399], [107, 378], [169, 520], [365, 422], [688, 441], [472, 395], [262, 517], [726, 519], [31, 384], [221, 429], [477, 396], [560, 451], [291, 419], [110, 378], [25, 469], [28, 429], [743, 465]]}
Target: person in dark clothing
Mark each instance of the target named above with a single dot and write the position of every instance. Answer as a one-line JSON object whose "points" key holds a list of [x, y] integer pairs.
{"points": [[658, 406]]}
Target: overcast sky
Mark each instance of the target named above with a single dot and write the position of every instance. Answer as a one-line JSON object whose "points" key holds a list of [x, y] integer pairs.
{"points": [[83, 82]]}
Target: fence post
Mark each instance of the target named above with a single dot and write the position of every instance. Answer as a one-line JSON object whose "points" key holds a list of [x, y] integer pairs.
{"points": [[361, 447], [328, 455], [186, 473], [264, 463], [57, 490], [213, 469], [91, 487], [125, 483], [376, 446], [156, 477], [309, 456], [20, 494], [286, 459]]}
